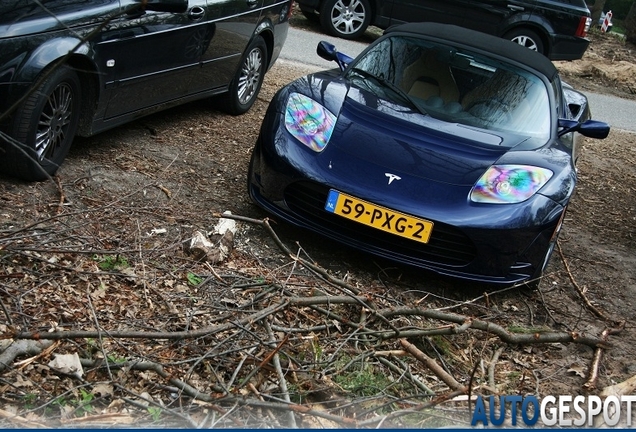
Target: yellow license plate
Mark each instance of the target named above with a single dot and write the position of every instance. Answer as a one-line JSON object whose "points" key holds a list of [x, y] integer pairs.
{"points": [[378, 217]]}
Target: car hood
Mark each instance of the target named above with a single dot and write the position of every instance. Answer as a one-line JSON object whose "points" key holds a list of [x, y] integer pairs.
{"points": [[26, 17], [404, 142]]}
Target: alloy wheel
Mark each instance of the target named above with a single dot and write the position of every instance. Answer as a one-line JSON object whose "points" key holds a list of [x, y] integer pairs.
{"points": [[250, 75], [526, 41], [348, 18], [54, 122]]}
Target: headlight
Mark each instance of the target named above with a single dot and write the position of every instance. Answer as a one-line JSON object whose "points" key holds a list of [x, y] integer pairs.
{"points": [[508, 184], [308, 121]]}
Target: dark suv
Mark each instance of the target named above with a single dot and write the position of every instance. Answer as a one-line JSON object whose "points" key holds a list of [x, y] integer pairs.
{"points": [[556, 28]]}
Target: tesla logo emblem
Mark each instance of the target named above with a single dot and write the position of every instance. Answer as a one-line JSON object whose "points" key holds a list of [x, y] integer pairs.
{"points": [[392, 177]]}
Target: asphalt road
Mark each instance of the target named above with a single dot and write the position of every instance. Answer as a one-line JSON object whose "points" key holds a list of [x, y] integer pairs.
{"points": [[300, 47]]}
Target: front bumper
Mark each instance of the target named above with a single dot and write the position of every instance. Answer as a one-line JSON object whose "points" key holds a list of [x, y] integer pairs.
{"points": [[492, 244]]}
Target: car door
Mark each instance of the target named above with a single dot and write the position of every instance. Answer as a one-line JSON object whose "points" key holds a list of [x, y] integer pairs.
{"points": [[152, 57], [492, 16], [439, 11], [234, 23]]}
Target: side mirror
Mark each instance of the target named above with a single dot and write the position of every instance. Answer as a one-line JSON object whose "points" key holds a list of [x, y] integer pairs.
{"points": [[329, 52], [589, 128], [176, 6]]}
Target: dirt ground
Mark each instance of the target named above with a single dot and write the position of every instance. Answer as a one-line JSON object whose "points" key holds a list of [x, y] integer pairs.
{"points": [[101, 249]]}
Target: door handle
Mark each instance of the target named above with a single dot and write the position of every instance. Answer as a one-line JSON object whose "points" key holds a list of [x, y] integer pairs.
{"points": [[252, 3], [515, 8], [196, 13]]}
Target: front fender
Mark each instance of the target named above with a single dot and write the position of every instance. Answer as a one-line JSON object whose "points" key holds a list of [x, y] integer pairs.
{"points": [[578, 104], [535, 23], [48, 53]]}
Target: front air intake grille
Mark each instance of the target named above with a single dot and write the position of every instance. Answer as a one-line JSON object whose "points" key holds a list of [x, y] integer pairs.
{"points": [[447, 245]]}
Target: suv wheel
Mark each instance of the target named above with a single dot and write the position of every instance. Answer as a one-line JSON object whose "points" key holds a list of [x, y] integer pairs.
{"points": [[527, 38], [347, 19]]}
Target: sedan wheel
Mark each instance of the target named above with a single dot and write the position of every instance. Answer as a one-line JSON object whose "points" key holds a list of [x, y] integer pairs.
{"points": [[44, 126], [347, 19], [248, 79]]}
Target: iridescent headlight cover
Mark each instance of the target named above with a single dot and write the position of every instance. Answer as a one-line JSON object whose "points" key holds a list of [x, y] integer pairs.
{"points": [[508, 184], [308, 121]]}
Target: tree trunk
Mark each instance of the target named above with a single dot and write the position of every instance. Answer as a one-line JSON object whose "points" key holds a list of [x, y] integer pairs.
{"points": [[630, 24], [596, 11]]}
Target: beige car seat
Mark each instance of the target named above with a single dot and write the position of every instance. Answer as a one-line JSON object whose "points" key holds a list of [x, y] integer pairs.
{"points": [[428, 77]]}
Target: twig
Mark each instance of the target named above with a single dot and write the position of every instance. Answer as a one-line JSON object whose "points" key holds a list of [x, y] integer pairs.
{"points": [[282, 383], [264, 362], [151, 402], [590, 384], [491, 367], [404, 370], [395, 414], [596, 311], [432, 365], [21, 421]]}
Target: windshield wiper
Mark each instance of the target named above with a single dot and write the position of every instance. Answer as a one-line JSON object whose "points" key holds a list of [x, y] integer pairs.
{"points": [[385, 83]]}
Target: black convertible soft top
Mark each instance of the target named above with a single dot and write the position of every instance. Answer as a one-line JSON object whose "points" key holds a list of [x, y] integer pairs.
{"points": [[480, 41]]}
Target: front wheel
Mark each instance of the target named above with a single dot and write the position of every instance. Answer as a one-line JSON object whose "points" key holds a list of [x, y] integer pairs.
{"points": [[247, 82], [44, 127], [347, 19], [526, 38]]}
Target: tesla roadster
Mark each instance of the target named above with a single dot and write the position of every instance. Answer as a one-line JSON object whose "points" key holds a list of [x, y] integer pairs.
{"points": [[438, 147]]}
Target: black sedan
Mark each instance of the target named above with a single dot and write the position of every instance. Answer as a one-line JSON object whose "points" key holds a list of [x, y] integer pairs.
{"points": [[72, 67], [438, 147]]}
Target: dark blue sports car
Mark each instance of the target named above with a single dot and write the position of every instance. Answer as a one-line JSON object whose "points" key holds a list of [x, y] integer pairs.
{"points": [[438, 147]]}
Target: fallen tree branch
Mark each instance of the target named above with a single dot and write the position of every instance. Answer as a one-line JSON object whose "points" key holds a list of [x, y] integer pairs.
{"points": [[20, 348], [503, 334], [191, 334]]}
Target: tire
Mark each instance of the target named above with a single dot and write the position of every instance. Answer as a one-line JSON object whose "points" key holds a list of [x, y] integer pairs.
{"points": [[248, 80], [526, 38], [535, 279], [347, 19], [45, 123], [250, 173]]}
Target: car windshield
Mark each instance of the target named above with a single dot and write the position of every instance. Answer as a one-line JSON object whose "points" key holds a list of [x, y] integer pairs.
{"points": [[455, 86]]}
